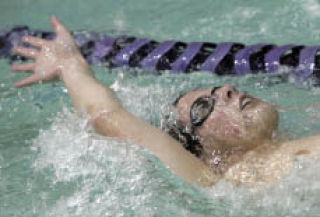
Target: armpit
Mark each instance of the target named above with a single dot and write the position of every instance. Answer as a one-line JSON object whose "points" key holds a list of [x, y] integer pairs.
{"points": [[302, 152]]}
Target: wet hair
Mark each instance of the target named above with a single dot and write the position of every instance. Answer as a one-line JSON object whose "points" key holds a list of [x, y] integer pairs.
{"points": [[182, 134], [186, 137]]}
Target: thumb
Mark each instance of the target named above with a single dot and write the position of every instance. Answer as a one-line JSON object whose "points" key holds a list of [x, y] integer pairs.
{"points": [[58, 27]]}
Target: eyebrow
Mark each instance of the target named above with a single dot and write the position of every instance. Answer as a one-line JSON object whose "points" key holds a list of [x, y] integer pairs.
{"points": [[182, 94], [178, 98], [215, 89]]}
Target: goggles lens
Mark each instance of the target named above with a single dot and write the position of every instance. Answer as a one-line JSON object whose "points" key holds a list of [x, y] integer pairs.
{"points": [[201, 109]]}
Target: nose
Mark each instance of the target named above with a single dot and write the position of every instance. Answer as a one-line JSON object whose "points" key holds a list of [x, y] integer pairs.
{"points": [[228, 92]]}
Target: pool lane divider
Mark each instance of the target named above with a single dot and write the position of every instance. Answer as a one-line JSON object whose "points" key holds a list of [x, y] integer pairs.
{"points": [[179, 57]]}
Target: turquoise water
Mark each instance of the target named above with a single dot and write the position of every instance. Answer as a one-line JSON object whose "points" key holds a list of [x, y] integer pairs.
{"points": [[53, 164]]}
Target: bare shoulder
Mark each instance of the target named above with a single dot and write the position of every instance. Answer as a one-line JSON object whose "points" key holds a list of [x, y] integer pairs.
{"points": [[309, 146], [271, 162]]}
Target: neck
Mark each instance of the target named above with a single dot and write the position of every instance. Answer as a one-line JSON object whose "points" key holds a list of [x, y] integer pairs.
{"points": [[221, 156]]}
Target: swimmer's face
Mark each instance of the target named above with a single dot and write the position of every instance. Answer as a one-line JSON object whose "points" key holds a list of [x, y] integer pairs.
{"points": [[236, 119]]}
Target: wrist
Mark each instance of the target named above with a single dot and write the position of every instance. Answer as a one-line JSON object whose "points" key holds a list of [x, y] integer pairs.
{"points": [[74, 64]]}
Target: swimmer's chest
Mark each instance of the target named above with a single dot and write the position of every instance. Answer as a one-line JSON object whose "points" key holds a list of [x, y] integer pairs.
{"points": [[270, 164]]}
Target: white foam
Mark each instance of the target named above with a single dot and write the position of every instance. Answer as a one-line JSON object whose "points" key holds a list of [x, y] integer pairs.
{"points": [[111, 177], [296, 195], [117, 178]]}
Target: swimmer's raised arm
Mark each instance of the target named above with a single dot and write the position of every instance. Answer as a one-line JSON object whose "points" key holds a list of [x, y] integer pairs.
{"points": [[61, 58]]}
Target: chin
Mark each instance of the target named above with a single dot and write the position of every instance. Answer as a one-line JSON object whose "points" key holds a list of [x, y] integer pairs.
{"points": [[267, 123], [261, 121]]}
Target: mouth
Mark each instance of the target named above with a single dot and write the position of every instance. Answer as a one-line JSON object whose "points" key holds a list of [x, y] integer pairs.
{"points": [[244, 101]]}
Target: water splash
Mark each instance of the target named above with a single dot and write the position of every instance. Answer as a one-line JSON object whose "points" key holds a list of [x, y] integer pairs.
{"points": [[118, 178], [111, 177]]}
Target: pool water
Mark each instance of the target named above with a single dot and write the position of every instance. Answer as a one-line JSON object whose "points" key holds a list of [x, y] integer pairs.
{"points": [[53, 164]]}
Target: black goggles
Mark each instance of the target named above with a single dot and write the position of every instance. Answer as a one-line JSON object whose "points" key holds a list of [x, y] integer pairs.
{"points": [[202, 108]]}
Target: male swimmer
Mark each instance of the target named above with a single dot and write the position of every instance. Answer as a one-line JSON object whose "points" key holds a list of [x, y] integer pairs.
{"points": [[232, 132]]}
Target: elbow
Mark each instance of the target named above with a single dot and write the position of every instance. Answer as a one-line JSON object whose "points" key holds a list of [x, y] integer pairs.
{"points": [[106, 123]]}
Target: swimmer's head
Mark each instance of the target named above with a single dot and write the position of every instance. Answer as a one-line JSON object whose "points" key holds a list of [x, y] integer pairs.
{"points": [[227, 118]]}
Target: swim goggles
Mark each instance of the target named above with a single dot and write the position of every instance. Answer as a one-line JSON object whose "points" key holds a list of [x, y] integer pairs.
{"points": [[202, 108]]}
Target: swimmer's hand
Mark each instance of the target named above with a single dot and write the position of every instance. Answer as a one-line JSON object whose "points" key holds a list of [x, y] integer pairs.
{"points": [[50, 56]]}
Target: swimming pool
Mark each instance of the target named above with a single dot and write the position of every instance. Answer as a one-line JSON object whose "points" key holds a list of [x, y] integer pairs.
{"points": [[52, 164]]}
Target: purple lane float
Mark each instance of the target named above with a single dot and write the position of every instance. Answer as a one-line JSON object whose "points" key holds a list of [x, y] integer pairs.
{"points": [[227, 58]]}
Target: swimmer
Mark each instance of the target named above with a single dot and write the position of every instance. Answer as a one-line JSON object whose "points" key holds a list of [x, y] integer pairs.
{"points": [[230, 134]]}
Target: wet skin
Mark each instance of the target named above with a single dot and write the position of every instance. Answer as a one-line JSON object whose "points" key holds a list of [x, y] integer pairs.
{"points": [[237, 120]]}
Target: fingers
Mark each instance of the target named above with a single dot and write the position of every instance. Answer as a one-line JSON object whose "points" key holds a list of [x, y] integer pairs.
{"points": [[37, 42], [23, 67], [27, 52], [28, 81], [58, 26]]}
